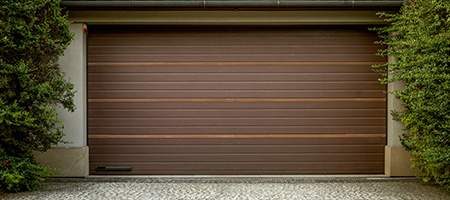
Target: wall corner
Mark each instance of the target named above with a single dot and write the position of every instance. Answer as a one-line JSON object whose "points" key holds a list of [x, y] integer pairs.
{"points": [[398, 162], [73, 161]]}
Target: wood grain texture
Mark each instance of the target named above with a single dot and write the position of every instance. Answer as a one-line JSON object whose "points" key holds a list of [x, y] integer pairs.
{"points": [[246, 167], [235, 100], [287, 157], [225, 64], [99, 104], [105, 142], [260, 78], [177, 130], [243, 136], [232, 121], [212, 113]]}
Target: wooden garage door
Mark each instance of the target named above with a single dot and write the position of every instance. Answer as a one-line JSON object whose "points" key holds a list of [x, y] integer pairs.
{"points": [[235, 100]]}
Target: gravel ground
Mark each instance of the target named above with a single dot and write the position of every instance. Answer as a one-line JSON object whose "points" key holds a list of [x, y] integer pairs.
{"points": [[236, 188]]}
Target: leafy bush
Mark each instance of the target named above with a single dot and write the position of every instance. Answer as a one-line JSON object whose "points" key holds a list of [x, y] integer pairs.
{"points": [[33, 34], [419, 40], [22, 174]]}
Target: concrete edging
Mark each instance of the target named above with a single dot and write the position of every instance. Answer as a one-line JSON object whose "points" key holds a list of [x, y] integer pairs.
{"points": [[73, 161]]}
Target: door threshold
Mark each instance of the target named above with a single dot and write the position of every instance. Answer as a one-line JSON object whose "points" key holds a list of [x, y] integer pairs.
{"points": [[374, 176]]}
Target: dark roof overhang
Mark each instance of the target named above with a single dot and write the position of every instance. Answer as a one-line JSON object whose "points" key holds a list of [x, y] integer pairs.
{"points": [[232, 3]]}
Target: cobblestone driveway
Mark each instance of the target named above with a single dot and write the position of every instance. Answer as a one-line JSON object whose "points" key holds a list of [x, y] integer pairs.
{"points": [[236, 188]]}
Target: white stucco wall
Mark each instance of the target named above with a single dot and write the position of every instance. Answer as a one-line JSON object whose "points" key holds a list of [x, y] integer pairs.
{"points": [[73, 64], [394, 128]]}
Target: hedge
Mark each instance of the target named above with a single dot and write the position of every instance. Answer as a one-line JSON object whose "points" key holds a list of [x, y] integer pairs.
{"points": [[33, 34], [419, 41]]}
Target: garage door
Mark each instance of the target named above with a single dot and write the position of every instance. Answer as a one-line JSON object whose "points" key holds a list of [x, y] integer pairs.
{"points": [[234, 100]]}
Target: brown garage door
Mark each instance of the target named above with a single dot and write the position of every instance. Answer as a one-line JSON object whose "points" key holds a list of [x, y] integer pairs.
{"points": [[234, 100]]}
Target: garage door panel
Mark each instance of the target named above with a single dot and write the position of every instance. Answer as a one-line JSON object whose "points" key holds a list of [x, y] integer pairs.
{"points": [[234, 58], [304, 49], [235, 100], [156, 130], [206, 85], [168, 171], [121, 80], [218, 96], [239, 141], [361, 121], [174, 31], [291, 157], [241, 105], [231, 40], [249, 167], [236, 149], [192, 113], [233, 67], [247, 172]]}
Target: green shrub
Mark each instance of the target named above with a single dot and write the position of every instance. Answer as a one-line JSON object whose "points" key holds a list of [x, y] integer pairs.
{"points": [[33, 34], [22, 174], [419, 40]]}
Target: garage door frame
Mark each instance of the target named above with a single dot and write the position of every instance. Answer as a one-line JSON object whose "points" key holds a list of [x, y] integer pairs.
{"points": [[74, 64]]}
